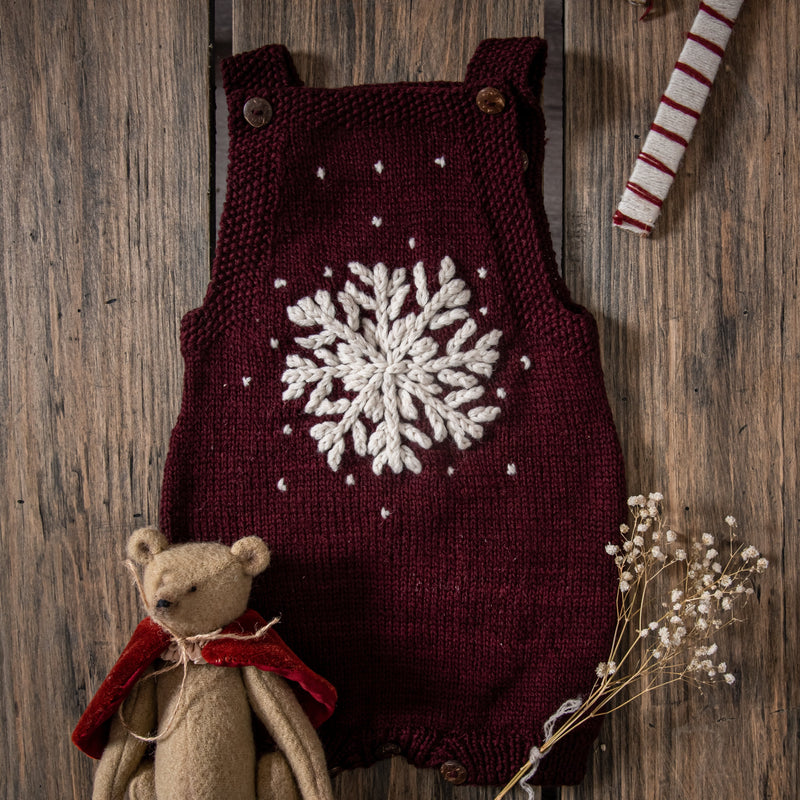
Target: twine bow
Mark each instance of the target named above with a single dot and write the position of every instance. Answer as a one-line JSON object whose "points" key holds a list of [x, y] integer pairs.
{"points": [[525, 775], [186, 647]]}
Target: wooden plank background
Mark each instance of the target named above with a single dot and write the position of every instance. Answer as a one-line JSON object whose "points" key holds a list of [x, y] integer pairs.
{"points": [[700, 328], [105, 235]]}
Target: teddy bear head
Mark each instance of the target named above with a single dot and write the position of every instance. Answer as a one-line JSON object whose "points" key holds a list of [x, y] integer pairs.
{"points": [[196, 587]]}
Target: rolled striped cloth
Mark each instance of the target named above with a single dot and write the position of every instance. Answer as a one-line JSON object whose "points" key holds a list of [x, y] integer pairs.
{"points": [[677, 116]]}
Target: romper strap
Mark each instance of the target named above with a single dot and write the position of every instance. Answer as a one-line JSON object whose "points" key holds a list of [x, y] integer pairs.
{"points": [[520, 62], [269, 67], [257, 73]]}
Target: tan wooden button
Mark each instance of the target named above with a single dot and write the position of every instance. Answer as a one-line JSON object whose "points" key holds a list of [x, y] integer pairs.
{"points": [[490, 100], [257, 111], [454, 772], [526, 162]]}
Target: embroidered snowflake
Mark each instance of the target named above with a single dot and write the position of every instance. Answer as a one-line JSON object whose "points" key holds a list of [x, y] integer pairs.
{"points": [[391, 367]]}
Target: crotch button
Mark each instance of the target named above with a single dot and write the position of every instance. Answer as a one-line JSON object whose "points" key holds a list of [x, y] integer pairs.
{"points": [[454, 772], [388, 750], [257, 111], [490, 100]]}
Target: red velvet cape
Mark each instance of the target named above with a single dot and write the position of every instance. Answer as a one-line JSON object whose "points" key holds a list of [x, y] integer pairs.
{"points": [[269, 652]]}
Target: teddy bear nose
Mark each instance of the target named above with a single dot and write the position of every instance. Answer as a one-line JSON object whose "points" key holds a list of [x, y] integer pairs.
{"points": [[163, 603]]}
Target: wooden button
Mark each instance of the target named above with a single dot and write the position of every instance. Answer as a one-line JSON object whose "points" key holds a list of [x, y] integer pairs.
{"points": [[526, 162], [387, 750], [490, 100], [257, 111], [454, 772]]}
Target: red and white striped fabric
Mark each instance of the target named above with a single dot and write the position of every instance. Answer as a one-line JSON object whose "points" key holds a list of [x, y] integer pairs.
{"points": [[677, 116]]}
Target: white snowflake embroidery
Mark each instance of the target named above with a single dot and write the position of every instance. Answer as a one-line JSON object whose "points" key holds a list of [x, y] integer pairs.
{"points": [[390, 366]]}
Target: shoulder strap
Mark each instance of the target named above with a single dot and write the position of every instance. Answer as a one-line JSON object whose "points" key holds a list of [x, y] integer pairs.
{"points": [[268, 67], [256, 73], [519, 62]]}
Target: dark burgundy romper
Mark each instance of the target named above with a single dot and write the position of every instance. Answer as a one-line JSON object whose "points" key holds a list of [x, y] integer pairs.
{"points": [[388, 382]]}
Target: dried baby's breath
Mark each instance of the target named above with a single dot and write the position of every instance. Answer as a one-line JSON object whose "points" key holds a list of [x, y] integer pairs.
{"points": [[673, 597]]}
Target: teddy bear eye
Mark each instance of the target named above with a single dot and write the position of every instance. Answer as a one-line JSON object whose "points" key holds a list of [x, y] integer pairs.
{"points": [[193, 589]]}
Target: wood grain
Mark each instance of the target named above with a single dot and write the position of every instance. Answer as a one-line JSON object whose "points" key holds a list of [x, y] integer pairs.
{"points": [[104, 217], [700, 340]]}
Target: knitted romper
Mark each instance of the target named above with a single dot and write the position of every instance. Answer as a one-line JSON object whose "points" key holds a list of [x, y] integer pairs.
{"points": [[388, 382]]}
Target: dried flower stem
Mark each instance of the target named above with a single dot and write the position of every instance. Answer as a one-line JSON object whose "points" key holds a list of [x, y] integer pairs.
{"points": [[675, 644]]}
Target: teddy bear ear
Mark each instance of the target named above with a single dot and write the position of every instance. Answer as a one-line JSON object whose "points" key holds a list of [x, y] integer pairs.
{"points": [[146, 543], [252, 553]]}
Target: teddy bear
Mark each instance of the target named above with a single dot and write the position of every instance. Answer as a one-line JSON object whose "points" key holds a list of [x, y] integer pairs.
{"points": [[197, 670]]}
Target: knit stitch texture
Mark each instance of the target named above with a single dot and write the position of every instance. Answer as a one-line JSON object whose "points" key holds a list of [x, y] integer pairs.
{"points": [[389, 383]]}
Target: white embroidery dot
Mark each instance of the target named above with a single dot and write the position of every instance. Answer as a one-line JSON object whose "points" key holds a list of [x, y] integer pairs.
{"points": [[287, 429], [327, 272], [282, 485], [511, 469], [321, 173], [484, 310], [501, 393], [378, 167], [412, 242], [273, 343], [385, 513], [377, 222], [451, 470], [482, 272], [526, 362], [440, 161], [350, 480], [246, 381], [280, 283]]}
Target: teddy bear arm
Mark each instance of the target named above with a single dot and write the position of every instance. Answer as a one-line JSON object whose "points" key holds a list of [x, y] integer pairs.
{"points": [[277, 707], [123, 752]]}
